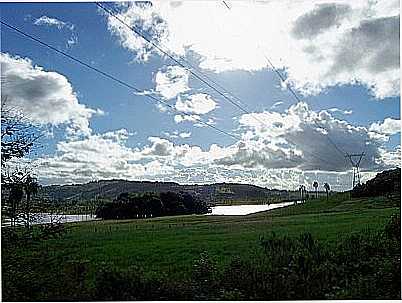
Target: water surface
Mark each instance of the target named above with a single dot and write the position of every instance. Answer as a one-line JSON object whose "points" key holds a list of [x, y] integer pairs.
{"points": [[241, 210]]}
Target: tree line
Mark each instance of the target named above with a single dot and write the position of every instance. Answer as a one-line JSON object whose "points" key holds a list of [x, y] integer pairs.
{"points": [[134, 205]]}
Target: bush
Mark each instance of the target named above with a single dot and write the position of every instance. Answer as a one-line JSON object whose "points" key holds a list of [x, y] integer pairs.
{"points": [[363, 266], [385, 183], [205, 278], [131, 206]]}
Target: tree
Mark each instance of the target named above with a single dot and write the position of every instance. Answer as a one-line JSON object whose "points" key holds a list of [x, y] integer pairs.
{"points": [[21, 187], [15, 195], [327, 189], [155, 206], [315, 185], [302, 190], [31, 187], [18, 134], [133, 205]]}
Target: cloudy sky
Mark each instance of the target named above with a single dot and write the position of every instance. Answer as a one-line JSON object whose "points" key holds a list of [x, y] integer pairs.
{"points": [[211, 108]]}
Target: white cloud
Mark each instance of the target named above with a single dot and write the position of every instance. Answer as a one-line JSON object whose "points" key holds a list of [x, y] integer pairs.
{"points": [[101, 156], [297, 139], [388, 127], [44, 97], [185, 135], [171, 82], [182, 118], [138, 15], [160, 147], [337, 110], [196, 104], [391, 158], [344, 43], [49, 21], [288, 151], [276, 104], [321, 18]]}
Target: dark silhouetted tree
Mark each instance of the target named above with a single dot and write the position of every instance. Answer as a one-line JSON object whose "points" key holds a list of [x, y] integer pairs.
{"points": [[327, 189], [302, 190], [315, 185], [31, 187]]}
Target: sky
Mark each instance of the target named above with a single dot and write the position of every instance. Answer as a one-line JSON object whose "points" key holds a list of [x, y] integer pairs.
{"points": [[218, 112]]}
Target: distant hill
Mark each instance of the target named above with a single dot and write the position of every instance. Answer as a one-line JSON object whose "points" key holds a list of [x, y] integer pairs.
{"points": [[384, 183], [110, 189]]}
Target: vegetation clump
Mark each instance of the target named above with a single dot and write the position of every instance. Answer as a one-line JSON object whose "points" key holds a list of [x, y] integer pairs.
{"points": [[132, 206], [385, 183]]}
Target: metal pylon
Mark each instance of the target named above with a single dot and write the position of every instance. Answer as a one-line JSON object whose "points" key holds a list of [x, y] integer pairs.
{"points": [[355, 160]]}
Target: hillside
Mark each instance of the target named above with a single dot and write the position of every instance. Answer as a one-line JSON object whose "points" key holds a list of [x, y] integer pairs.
{"points": [[110, 189], [384, 183]]}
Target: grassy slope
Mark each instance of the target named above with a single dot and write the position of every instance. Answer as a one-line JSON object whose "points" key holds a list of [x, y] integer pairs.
{"points": [[170, 244]]}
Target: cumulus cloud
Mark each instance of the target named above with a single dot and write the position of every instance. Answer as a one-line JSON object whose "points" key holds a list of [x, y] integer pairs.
{"points": [[160, 147], [291, 148], [171, 81], [320, 19], [100, 156], [196, 104], [142, 16], [303, 139], [391, 158], [43, 96], [370, 52], [342, 43], [388, 127]]}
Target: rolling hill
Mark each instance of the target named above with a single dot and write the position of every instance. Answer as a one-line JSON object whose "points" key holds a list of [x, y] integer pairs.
{"points": [[217, 192]]}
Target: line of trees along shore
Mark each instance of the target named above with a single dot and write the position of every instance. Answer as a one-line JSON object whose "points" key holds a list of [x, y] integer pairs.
{"points": [[134, 205]]}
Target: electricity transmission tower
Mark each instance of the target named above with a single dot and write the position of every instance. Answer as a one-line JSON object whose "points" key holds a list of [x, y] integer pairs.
{"points": [[355, 160]]}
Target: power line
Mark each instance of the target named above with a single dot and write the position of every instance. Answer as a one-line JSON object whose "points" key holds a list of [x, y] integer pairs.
{"points": [[298, 99], [129, 85], [165, 51], [111, 77], [295, 95]]}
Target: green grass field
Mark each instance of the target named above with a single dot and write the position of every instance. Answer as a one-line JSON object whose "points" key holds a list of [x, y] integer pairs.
{"points": [[169, 245]]}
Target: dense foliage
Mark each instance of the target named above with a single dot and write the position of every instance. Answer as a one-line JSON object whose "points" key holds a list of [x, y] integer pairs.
{"points": [[364, 265], [130, 206], [385, 183]]}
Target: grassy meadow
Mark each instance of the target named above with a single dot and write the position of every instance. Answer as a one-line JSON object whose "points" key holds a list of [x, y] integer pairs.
{"points": [[168, 246]]}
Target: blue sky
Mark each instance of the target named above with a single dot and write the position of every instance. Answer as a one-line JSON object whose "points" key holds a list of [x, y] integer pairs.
{"points": [[353, 99]]}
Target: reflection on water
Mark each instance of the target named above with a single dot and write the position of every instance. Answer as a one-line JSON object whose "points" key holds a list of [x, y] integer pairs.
{"points": [[45, 218], [241, 210]]}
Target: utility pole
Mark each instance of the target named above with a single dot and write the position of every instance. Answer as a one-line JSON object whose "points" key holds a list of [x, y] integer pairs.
{"points": [[355, 160]]}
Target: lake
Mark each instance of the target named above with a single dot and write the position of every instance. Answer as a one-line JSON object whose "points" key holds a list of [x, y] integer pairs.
{"points": [[230, 210], [241, 210]]}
